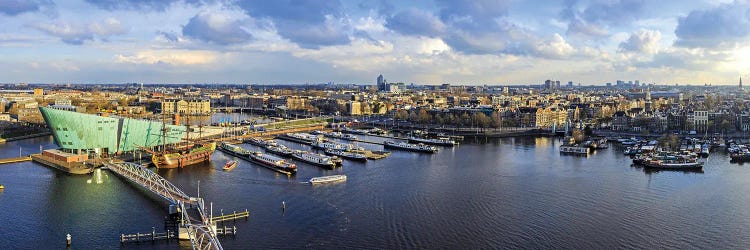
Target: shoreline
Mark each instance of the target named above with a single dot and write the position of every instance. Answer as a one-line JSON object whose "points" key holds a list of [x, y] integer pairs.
{"points": [[23, 137]]}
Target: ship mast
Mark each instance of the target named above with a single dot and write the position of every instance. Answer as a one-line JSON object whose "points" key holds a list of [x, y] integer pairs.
{"points": [[163, 131], [187, 135]]}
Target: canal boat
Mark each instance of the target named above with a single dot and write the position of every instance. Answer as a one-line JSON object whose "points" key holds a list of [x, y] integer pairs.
{"points": [[327, 179], [339, 135], [574, 149], [314, 159], [438, 141], [346, 155], [234, 149], [704, 150], [229, 166], [260, 142], [410, 147], [274, 163], [280, 150], [669, 161], [303, 138]]}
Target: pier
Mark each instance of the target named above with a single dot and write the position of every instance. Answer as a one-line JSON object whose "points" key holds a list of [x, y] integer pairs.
{"points": [[233, 216], [15, 159], [196, 226]]}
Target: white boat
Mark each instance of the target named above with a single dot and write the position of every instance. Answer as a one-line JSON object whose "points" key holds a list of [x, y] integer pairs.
{"points": [[439, 141], [327, 179], [410, 147], [314, 159], [346, 155], [274, 163]]}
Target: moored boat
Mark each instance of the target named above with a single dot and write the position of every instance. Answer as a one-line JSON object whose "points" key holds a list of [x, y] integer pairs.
{"points": [[410, 147], [260, 142], [346, 155], [182, 159], [280, 150], [438, 141], [303, 138], [314, 159], [273, 162], [234, 149], [685, 160]]}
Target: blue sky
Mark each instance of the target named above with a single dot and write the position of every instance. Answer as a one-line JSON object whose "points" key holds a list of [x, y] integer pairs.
{"points": [[421, 41]]}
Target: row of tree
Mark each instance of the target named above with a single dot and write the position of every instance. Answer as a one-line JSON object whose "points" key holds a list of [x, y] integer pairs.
{"points": [[465, 119]]}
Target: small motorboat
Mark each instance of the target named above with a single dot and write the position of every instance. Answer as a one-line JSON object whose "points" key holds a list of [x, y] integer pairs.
{"points": [[229, 166]]}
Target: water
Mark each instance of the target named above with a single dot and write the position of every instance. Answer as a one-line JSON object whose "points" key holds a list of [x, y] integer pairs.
{"points": [[505, 193]]}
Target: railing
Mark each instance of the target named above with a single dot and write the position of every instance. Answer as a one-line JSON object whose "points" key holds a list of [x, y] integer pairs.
{"points": [[201, 233], [151, 181]]}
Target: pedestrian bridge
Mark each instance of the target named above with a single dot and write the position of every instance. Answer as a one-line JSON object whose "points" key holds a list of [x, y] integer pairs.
{"points": [[198, 228]]}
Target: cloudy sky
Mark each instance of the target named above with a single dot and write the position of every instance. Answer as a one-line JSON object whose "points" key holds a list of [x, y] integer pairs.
{"points": [[352, 41]]}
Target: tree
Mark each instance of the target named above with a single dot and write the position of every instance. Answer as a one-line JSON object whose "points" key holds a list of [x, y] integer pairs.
{"points": [[376, 106], [578, 136], [725, 125], [464, 119], [413, 116], [672, 142], [423, 116], [401, 115], [497, 121], [480, 119]]}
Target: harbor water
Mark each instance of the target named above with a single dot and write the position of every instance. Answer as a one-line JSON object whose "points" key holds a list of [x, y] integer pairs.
{"points": [[497, 193]]}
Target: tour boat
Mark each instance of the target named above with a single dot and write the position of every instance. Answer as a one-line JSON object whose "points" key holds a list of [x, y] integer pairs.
{"points": [[259, 142], [234, 150], [280, 150], [439, 141], [303, 138], [274, 163], [346, 155], [669, 160], [327, 179], [229, 166], [314, 159], [410, 147]]}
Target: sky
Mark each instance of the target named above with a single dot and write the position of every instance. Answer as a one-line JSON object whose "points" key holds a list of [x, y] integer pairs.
{"points": [[494, 42]]}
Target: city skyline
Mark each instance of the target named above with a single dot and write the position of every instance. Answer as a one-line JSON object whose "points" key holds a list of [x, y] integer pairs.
{"points": [[425, 42]]}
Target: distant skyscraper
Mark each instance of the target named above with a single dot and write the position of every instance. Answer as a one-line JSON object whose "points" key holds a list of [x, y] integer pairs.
{"points": [[381, 83], [740, 82]]}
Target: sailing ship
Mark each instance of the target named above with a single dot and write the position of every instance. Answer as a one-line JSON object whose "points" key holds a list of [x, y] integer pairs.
{"points": [[189, 154]]}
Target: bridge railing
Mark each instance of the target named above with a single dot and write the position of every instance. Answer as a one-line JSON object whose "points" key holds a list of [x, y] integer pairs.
{"points": [[201, 232], [203, 235], [150, 180]]}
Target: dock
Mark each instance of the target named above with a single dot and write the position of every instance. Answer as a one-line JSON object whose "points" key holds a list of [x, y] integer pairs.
{"points": [[68, 167], [233, 216], [168, 235], [15, 159]]}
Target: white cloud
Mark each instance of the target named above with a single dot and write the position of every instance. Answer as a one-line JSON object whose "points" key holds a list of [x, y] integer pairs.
{"points": [[173, 57]]}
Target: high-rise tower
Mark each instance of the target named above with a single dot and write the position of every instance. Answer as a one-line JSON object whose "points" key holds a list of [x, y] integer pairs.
{"points": [[381, 83]]}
